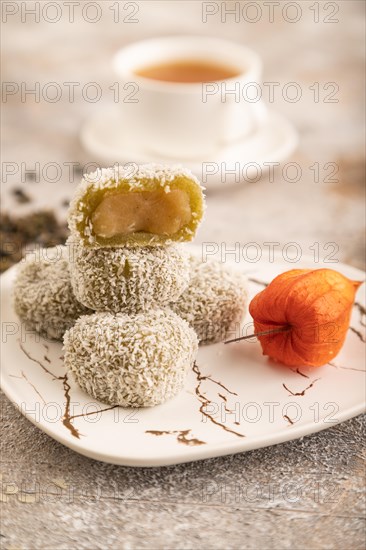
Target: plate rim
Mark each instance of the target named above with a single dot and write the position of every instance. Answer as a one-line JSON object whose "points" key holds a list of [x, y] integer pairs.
{"points": [[282, 150]]}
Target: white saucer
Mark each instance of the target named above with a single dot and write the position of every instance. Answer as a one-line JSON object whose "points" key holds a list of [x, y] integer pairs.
{"points": [[103, 136]]}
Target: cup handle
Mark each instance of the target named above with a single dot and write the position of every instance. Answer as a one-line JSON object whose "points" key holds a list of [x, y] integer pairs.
{"points": [[239, 122]]}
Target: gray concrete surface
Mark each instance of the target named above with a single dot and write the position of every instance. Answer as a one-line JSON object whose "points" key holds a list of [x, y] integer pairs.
{"points": [[302, 494]]}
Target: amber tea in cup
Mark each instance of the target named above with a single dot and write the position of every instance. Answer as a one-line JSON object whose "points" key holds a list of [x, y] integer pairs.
{"points": [[183, 109], [187, 71]]}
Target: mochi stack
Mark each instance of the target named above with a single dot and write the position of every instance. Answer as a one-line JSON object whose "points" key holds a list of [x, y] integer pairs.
{"points": [[129, 300]]}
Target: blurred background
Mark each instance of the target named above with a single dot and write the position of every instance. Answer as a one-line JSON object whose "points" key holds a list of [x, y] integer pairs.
{"points": [[318, 47], [314, 198]]}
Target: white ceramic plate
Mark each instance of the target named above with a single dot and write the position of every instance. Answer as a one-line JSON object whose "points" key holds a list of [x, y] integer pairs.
{"points": [[103, 137], [248, 401]]}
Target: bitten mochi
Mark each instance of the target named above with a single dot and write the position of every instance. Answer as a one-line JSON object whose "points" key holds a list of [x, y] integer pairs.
{"points": [[215, 302], [127, 279], [43, 295], [137, 360], [136, 205]]}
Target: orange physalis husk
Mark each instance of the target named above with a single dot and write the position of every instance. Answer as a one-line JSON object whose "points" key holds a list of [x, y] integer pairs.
{"points": [[314, 306]]}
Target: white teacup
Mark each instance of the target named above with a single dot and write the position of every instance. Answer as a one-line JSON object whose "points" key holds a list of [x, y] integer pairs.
{"points": [[189, 120]]}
